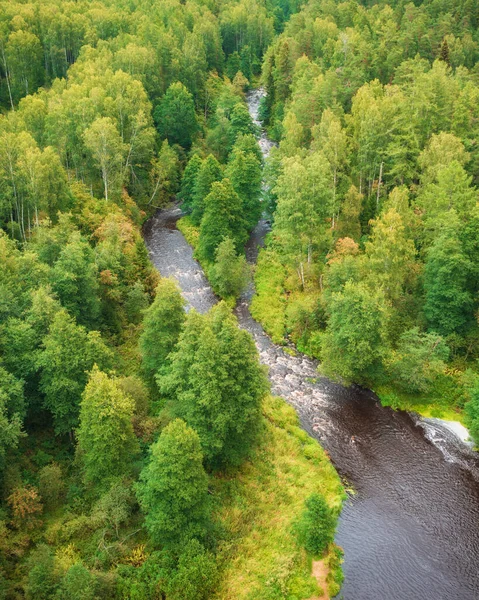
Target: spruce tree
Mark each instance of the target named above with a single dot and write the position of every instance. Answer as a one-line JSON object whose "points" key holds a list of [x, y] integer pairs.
{"points": [[244, 172], [175, 116], [188, 182], [217, 384]]}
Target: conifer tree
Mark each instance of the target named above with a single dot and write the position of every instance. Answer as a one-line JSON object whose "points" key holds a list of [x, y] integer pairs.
{"points": [[244, 172], [188, 182], [175, 116], [217, 385]]}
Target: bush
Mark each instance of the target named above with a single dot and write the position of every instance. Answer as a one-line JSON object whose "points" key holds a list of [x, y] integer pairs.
{"points": [[315, 528]]}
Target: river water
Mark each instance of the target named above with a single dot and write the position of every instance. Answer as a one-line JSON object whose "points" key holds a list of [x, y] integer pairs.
{"points": [[411, 529]]}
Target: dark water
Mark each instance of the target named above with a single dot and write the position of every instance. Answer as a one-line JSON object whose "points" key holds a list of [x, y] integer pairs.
{"points": [[411, 530]]}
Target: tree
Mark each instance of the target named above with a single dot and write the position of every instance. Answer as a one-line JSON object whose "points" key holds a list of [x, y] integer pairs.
{"points": [[162, 324], [77, 584], [175, 116], [188, 182], [12, 410], [349, 224], [244, 172], [68, 353], [315, 529], [209, 172], [74, 280], [223, 218], [217, 385], [51, 484], [230, 272], [354, 343], [173, 487], [106, 442], [108, 151], [42, 580], [195, 575], [241, 122], [418, 360], [448, 305], [26, 505]]}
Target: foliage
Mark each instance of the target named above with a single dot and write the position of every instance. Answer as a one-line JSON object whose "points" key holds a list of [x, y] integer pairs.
{"points": [[25, 505], [162, 324], [315, 528], [106, 442], [173, 487], [230, 273], [175, 116], [217, 385]]}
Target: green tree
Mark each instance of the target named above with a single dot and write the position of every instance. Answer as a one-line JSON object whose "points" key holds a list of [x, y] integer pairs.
{"points": [[188, 182], [162, 324], [173, 487], [230, 272], [217, 385], [241, 122], [68, 354], [223, 218], [209, 172], [354, 343], [106, 442], [315, 529], [448, 304], [12, 410], [472, 411], [244, 172], [77, 584], [418, 360], [74, 280], [175, 116], [195, 575], [108, 151]]}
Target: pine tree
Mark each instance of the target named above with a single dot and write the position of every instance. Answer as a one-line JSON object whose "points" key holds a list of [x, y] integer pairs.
{"points": [[188, 182], [175, 116], [217, 385], [68, 353], [244, 172]]}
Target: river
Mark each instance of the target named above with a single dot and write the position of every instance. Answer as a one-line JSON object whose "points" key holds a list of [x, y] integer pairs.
{"points": [[411, 529]]}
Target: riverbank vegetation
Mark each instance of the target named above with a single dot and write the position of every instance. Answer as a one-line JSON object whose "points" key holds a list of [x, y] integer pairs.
{"points": [[116, 481], [372, 262]]}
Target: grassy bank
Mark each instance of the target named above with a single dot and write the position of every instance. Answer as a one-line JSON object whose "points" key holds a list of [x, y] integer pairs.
{"points": [[258, 507]]}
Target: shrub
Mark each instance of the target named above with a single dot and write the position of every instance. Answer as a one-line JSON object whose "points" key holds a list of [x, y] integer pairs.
{"points": [[315, 528]]}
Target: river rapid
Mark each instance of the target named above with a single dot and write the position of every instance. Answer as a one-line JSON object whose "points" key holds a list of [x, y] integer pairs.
{"points": [[410, 531]]}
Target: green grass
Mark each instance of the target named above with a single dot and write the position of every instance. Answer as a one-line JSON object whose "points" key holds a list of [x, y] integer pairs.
{"points": [[261, 559], [437, 406], [269, 305]]}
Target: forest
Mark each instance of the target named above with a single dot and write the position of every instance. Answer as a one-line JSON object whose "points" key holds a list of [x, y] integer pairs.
{"points": [[142, 455]]}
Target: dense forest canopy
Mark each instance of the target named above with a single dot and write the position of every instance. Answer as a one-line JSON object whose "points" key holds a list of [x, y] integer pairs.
{"points": [[124, 420]]}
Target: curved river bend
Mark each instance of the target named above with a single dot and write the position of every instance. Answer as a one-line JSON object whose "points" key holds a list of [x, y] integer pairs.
{"points": [[411, 530]]}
